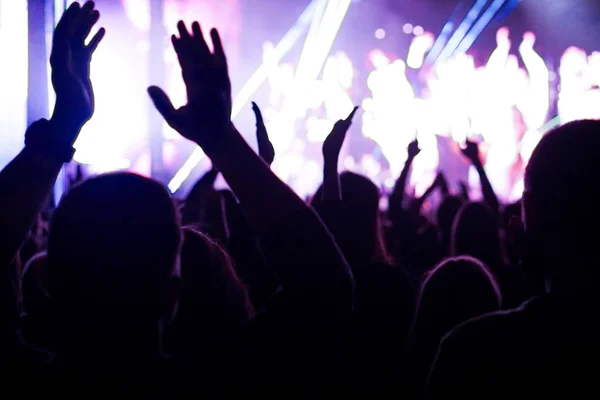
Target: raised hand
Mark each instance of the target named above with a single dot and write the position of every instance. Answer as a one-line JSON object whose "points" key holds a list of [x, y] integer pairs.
{"points": [[413, 149], [442, 183], [332, 145], [471, 151], [207, 115], [70, 61], [28, 179], [265, 147]]}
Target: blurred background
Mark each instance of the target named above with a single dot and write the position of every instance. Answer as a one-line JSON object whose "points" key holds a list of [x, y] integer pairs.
{"points": [[501, 72]]}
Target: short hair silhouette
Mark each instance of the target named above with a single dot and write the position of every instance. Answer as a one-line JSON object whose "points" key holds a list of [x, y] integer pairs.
{"points": [[214, 305], [454, 291], [475, 233], [365, 231], [112, 249], [561, 198]]}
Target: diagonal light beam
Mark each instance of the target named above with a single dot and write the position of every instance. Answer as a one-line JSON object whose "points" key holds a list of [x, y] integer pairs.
{"points": [[462, 29], [480, 26]]}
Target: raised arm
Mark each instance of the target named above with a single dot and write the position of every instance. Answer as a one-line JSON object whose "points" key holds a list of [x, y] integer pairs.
{"points": [[397, 196], [471, 151], [273, 210], [332, 145], [26, 182], [265, 147], [439, 182]]}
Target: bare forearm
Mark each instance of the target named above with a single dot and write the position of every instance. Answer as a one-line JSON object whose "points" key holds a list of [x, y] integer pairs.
{"points": [[422, 199], [400, 186], [331, 181], [24, 187], [489, 196], [265, 199]]}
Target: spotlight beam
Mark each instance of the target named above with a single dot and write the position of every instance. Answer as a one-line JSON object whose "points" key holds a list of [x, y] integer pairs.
{"points": [[444, 35], [479, 26], [462, 29]]}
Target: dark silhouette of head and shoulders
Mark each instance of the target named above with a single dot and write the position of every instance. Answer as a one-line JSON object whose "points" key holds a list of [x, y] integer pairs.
{"points": [[549, 345]]}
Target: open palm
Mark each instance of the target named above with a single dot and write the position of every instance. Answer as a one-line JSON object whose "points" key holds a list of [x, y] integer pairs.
{"points": [[208, 111]]}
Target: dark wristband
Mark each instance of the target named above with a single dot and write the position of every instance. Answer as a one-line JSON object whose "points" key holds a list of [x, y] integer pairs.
{"points": [[39, 137]]}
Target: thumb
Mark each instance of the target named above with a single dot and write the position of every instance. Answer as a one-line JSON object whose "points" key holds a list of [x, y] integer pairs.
{"points": [[163, 104]]}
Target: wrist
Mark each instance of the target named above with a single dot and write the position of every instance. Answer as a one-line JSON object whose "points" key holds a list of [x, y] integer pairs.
{"points": [[67, 128], [46, 138], [330, 163], [217, 142]]}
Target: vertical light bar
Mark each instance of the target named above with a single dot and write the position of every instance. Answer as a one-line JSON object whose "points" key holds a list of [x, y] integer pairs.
{"points": [[13, 77]]}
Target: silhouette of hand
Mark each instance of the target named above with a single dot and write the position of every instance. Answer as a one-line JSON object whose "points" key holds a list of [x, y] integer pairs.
{"points": [[332, 145], [471, 151], [70, 61], [207, 115], [441, 182], [265, 147], [413, 149]]}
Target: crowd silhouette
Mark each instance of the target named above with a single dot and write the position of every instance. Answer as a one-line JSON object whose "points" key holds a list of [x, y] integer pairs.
{"points": [[122, 289]]}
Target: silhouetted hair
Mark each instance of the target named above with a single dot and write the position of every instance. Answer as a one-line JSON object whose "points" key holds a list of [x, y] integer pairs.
{"points": [[214, 305], [112, 248], [210, 283], [475, 233], [454, 291], [447, 212], [361, 199], [561, 179]]}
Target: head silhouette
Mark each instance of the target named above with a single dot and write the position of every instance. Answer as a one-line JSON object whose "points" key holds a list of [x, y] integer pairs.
{"points": [[475, 233], [214, 304], [456, 290], [363, 240], [445, 218], [112, 253], [560, 204]]}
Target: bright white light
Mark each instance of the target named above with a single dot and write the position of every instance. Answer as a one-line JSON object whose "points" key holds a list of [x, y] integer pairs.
{"points": [[419, 46], [380, 34], [186, 169], [13, 77], [407, 28]]}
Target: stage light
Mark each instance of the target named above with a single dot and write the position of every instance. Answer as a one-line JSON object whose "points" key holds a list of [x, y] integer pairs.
{"points": [[462, 29], [251, 86], [407, 28], [14, 47], [418, 30], [416, 52], [380, 34], [444, 35], [479, 26]]}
